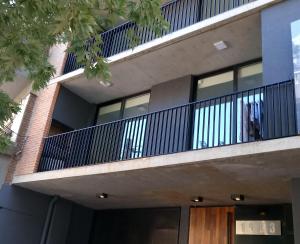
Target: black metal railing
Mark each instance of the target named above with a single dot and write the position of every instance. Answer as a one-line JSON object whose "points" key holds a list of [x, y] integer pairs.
{"points": [[179, 14], [262, 113]]}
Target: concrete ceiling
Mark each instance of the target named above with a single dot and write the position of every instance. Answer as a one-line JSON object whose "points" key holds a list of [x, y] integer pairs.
{"points": [[193, 55], [264, 178], [15, 87]]}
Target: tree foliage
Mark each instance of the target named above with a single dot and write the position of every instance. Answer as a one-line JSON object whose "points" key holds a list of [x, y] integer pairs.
{"points": [[30, 27], [7, 109]]}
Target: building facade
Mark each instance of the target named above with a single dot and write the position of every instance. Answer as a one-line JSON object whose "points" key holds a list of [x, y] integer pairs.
{"points": [[194, 140]]}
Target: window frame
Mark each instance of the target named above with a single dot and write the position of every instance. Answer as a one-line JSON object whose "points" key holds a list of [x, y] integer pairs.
{"points": [[234, 68], [121, 100]]}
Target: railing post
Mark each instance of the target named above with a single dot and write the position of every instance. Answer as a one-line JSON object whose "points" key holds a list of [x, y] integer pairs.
{"points": [[200, 4], [190, 125]]}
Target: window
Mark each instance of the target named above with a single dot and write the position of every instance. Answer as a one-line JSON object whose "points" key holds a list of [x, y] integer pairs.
{"points": [[136, 106], [132, 130], [223, 119], [250, 76], [125, 108], [214, 86], [109, 113]]}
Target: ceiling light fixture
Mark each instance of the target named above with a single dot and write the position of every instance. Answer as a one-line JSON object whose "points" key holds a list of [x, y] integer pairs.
{"points": [[237, 197], [102, 196], [105, 83], [221, 45], [197, 199]]}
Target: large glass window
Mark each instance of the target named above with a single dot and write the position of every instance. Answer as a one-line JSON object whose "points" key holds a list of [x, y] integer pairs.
{"points": [[209, 114], [250, 76], [132, 134], [223, 119], [214, 86], [136, 106], [109, 113]]}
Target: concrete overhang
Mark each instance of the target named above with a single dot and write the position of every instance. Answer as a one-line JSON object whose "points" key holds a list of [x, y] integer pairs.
{"points": [[260, 170], [19, 87], [189, 51]]}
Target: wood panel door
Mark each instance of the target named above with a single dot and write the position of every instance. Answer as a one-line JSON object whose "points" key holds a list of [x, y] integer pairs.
{"points": [[211, 225]]}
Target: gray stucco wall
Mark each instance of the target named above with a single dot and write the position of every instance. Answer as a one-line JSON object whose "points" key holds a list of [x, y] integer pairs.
{"points": [[276, 40], [73, 111], [169, 94]]}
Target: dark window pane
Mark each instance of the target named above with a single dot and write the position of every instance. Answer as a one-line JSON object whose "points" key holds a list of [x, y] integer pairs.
{"points": [[109, 113], [215, 86], [250, 77], [136, 106]]}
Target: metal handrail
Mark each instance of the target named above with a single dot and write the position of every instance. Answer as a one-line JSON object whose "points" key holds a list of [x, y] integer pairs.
{"points": [[260, 113], [178, 13]]}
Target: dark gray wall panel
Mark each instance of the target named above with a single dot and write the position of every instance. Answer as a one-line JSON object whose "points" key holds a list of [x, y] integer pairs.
{"points": [[22, 215], [59, 226], [296, 208], [275, 212], [169, 94], [164, 134], [80, 225], [137, 226], [73, 111], [276, 40], [184, 225]]}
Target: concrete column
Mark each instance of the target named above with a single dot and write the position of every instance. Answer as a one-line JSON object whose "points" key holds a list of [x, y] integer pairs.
{"points": [[296, 208], [57, 57]]}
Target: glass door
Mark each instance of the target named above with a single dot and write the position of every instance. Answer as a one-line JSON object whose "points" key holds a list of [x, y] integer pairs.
{"points": [[135, 127], [230, 109], [212, 117]]}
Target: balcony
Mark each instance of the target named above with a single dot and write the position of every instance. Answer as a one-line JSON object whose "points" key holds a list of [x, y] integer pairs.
{"points": [[257, 114], [178, 13]]}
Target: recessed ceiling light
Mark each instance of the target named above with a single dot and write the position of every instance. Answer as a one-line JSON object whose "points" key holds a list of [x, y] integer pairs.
{"points": [[197, 199], [105, 83], [102, 196], [237, 197], [221, 45]]}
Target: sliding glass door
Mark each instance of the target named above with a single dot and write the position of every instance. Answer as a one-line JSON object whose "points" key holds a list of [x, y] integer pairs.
{"points": [[134, 131], [229, 110]]}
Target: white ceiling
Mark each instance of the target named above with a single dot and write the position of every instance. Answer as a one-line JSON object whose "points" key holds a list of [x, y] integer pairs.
{"points": [[194, 55]]}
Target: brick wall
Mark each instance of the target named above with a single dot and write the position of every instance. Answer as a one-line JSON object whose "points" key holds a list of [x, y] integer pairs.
{"points": [[38, 125], [21, 137]]}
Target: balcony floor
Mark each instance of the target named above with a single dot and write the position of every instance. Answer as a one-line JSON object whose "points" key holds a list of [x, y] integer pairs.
{"points": [[260, 170]]}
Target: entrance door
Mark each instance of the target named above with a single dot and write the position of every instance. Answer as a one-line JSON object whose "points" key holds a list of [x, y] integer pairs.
{"points": [[211, 225]]}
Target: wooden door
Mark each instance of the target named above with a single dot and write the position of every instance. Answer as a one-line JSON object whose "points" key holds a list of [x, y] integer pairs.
{"points": [[211, 225]]}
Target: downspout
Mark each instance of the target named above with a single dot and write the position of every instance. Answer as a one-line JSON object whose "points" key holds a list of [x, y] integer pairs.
{"points": [[48, 220]]}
